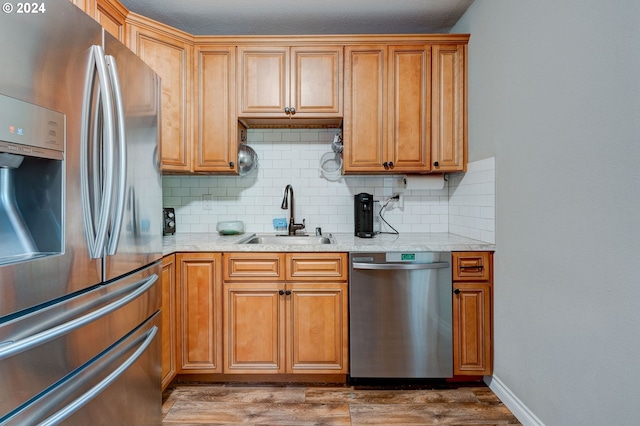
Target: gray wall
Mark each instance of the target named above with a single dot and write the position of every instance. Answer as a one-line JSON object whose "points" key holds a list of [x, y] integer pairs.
{"points": [[554, 95]]}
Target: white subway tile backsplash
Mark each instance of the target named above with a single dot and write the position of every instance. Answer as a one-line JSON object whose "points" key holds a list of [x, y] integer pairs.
{"points": [[292, 157], [472, 201]]}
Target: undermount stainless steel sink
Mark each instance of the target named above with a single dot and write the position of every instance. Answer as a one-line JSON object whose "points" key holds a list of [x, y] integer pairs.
{"points": [[287, 239]]}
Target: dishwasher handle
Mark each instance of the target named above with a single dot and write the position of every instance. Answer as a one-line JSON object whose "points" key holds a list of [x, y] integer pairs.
{"points": [[400, 266]]}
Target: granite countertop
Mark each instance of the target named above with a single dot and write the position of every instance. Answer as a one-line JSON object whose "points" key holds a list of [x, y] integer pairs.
{"points": [[344, 242]]}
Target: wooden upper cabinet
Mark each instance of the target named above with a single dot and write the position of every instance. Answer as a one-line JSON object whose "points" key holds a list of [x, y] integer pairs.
{"points": [[216, 133], [289, 82], [387, 110], [111, 14], [365, 108], [263, 80], [170, 55], [316, 81], [87, 6], [409, 108], [449, 106], [405, 108]]}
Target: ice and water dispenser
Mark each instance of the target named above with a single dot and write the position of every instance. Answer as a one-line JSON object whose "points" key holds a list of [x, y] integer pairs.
{"points": [[31, 181]]}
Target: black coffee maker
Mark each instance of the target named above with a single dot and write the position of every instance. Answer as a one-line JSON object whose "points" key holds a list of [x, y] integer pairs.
{"points": [[363, 215]]}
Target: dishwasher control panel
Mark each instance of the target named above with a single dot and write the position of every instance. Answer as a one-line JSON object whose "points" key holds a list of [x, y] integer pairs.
{"points": [[420, 257]]}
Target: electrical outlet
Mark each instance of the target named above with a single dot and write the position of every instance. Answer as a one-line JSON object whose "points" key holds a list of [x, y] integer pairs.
{"points": [[397, 200], [207, 201]]}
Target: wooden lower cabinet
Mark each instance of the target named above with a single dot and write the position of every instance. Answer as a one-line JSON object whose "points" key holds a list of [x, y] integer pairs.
{"points": [[254, 328], [277, 313], [472, 313], [199, 313], [169, 323], [275, 326], [316, 333]]}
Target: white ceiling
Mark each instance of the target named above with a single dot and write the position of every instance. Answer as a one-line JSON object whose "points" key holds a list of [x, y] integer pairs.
{"points": [[267, 17]]}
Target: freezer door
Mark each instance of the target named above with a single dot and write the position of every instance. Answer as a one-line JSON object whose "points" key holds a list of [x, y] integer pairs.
{"points": [[136, 236], [119, 387], [45, 348], [44, 62]]}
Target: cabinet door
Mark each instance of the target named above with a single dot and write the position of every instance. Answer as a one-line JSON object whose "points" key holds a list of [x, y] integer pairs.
{"points": [[200, 312], [409, 109], [87, 6], [263, 81], [254, 328], [365, 109], [449, 103], [170, 57], [317, 328], [472, 329], [111, 14], [216, 138], [316, 81], [169, 319]]}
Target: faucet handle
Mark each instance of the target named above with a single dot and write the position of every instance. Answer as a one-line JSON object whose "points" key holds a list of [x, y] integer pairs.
{"points": [[318, 232], [299, 226]]}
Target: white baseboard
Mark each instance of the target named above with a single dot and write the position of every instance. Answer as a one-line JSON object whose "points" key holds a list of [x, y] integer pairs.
{"points": [[513, 403]]}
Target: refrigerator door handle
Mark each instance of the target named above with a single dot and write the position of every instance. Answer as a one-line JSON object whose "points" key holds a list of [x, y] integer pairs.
{"points": [[56, 395], [122, 157], [9, 349], [104, 383], [96, 232]]}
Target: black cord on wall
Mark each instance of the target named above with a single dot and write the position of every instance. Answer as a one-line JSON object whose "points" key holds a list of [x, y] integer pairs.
{"points": [[395, 232]]}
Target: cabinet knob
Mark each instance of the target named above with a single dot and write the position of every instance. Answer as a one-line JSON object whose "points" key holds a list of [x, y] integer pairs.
{"points": [[288, 292], [391, 164], [292, 110], [456, 291], [286, 110], [435, 163], [231, 164], [385, 165], [281, 292]]}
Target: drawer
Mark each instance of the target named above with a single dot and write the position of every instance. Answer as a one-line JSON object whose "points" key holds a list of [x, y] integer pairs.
{"points": [[317, 266], [471, 266], [253, 266]]}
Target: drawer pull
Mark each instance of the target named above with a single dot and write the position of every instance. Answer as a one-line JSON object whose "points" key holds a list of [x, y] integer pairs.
{"points": [[480, 267]]}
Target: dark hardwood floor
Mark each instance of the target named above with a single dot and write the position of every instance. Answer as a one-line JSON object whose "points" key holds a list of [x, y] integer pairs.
{"points": [[453, 404]]}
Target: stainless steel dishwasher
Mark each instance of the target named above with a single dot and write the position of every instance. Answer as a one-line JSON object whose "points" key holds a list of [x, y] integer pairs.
{"points": [[400, 315]]}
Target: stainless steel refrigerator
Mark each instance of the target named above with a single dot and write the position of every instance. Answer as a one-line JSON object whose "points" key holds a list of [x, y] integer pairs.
{"points": [[80, 224]]}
